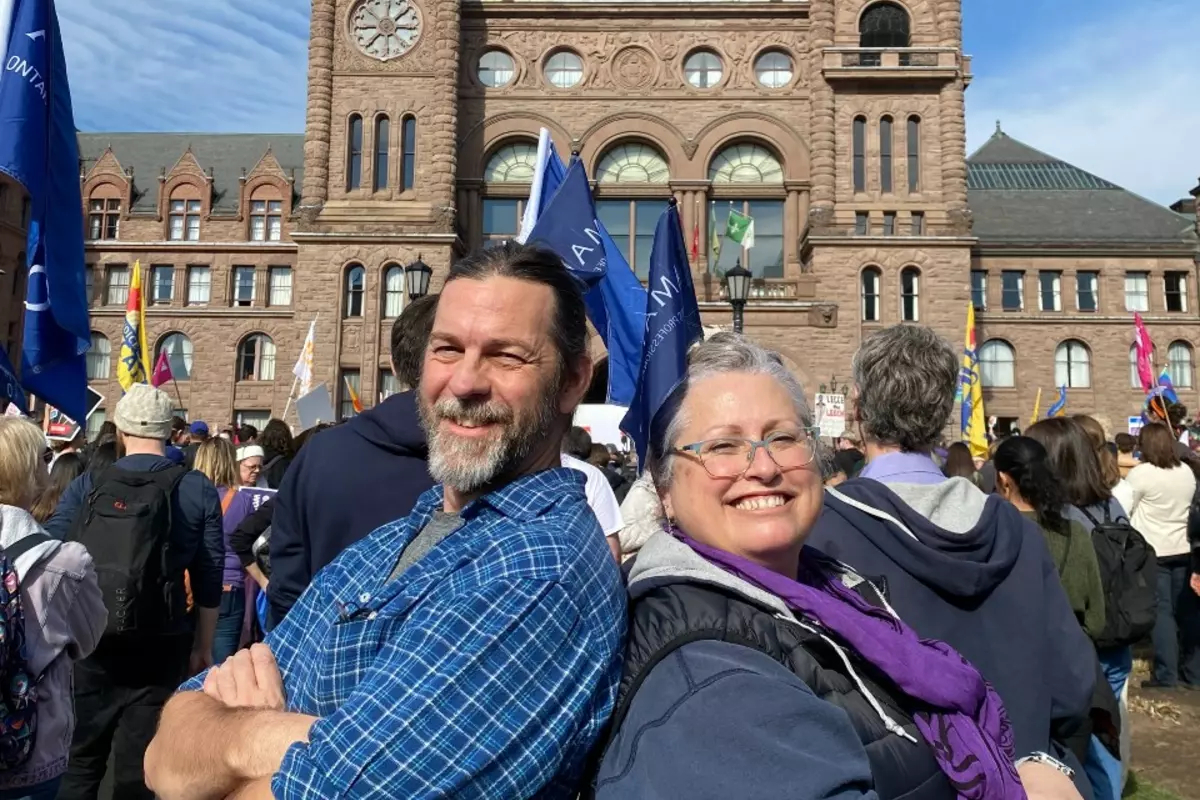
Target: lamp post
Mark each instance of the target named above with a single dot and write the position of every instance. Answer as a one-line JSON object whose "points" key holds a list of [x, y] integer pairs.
{"points": [[737, 289], [416, 277]]}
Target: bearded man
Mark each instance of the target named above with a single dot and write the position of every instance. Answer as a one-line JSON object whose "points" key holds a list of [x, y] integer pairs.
{"points": [[471, 649]]}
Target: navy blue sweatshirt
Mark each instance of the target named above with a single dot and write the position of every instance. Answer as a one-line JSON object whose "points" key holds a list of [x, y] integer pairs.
{"points": [[984, 583], [343, 484]]}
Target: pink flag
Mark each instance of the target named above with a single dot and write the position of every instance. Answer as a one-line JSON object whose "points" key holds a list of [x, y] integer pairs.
{"points": [[1145, 353], [162, 370]]}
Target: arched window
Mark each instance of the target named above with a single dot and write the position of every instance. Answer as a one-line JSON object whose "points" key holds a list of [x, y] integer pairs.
{"points": [[1135, 380], [883, 25], [512, 163], [393, 291], [859, 145], [914, 154], [266, 215], [910, 294], [885, 154], [178, 348], [408, 159], [379, 169], [1072, 365], [871, 278], [99, 358], [732, 169], [356, 278], [632, 163], [997, 364], [1179, 364], [256, 358], [354, 141], [104, 212], [745, 163]]}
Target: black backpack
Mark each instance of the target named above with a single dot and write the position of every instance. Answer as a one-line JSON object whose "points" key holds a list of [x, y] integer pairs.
{"points": [[1128, 570], [125, 525]]}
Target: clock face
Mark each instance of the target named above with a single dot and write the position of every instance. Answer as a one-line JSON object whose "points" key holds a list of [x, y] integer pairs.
{"points": [[385, 29]]}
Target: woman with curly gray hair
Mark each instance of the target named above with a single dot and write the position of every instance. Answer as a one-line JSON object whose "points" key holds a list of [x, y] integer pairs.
{"points": [[755, 666]]}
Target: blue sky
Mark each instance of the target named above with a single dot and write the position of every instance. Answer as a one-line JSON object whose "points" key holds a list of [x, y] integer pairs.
{"points": [[1107, 85]]}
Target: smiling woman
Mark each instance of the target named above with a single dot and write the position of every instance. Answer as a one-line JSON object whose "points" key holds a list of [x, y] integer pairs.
{"points": [[736, 626]]}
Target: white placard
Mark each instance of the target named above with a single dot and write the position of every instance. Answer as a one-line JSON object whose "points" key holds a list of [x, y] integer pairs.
{"points": [[830, 414]]}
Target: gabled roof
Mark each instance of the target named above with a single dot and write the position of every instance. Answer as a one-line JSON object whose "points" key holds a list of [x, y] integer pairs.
{"points": [[1019, 194], [227, 154]]}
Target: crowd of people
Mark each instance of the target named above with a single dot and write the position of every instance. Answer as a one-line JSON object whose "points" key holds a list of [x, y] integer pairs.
{"points": [[463, 595]]}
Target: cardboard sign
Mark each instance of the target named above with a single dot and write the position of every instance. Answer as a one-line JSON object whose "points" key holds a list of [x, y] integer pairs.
{"points": [[830, 414], [258, 495], [58, 426]]}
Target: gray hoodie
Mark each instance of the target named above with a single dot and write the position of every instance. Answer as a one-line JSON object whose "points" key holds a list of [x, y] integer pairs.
{"points": [[720, 720], [64, 618]]}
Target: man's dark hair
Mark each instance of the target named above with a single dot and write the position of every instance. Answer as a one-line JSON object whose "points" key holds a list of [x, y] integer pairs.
{"points": [[578, 443], [1125, 442], [410, 337], [277, 438], [246, 433], [536, 265], [178, 425]]}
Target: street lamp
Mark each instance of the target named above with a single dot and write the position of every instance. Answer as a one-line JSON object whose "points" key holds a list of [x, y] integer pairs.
{"points": [[416, 276], [737, 289]]}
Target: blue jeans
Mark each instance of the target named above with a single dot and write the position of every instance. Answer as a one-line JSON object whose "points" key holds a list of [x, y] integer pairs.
{"points": [[1176, 654], [46, 790], [229, 624]]}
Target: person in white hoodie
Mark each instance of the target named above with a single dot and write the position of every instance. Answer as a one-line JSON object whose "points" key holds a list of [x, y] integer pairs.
{"points": [[63, 609]]}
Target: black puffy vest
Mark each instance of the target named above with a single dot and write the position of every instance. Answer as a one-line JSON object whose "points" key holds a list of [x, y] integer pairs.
{"points": [[672, 616]]}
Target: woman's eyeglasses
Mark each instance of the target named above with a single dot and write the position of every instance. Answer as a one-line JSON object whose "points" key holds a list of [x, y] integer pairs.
{"points": [[731, 457]]}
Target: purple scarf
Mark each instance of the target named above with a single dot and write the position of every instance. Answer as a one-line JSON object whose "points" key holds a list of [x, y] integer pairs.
{"points": [[965, 726]]}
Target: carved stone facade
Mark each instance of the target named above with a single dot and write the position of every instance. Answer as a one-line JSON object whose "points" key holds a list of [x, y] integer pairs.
{"points": [[716, 90]]}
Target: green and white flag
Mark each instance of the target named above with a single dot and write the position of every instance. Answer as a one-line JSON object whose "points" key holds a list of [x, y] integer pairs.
{"points": [[740, 228]]}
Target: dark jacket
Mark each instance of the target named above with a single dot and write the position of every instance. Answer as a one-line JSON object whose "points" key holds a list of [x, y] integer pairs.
{"points": [[344, 483], [249, 529], [968, 569], [726, 694], [275, 466], [197, 542]]}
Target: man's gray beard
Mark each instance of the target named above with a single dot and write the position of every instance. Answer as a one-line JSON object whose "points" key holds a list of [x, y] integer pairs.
{"points": [[470, 465]]}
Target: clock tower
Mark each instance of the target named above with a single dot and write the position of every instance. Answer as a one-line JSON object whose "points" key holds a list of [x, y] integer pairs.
{"points": [[379, 170]]}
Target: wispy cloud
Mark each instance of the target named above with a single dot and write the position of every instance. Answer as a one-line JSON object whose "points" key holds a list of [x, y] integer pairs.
{"points": [[181, 65], [1112, 91]]}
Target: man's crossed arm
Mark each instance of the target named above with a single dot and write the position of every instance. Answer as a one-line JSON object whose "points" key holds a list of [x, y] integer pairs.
{"points": [[243, 700]]}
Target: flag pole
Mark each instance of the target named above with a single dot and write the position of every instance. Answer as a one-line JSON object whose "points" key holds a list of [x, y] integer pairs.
{"points": [[175, 383], [296, 380]]}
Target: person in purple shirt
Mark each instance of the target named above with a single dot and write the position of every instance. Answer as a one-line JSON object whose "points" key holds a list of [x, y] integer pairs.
{"points": [[956, 564]]}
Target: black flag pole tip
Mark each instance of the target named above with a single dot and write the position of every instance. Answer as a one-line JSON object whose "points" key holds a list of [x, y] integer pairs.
{"points": [[673, 201]]}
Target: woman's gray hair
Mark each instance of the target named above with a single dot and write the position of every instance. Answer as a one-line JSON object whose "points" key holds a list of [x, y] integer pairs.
{"points": [[719, 354], [905, 377]]}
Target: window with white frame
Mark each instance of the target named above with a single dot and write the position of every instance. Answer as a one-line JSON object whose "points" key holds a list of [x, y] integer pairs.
{"points": [[279, 283], [1137, 291], [910, 291], [1179, 364], [393, 291], [243, 286], [184, 220], [1072, 365], [356, 280], [997, 364], [118, 285], [266, 220], [255, 417], [979, 289], [99, 358], [256, 358], [199, 285], [162, 279], [1175, 291], [178, 348], [870, 280], [1087, 287], [1012, 290], [1050, 286]]}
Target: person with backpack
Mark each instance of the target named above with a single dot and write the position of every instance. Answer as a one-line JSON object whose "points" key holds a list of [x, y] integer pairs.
{"points": [[1126, 560], [54, 620], [278, 450], [144, 520], [1163, 489]]}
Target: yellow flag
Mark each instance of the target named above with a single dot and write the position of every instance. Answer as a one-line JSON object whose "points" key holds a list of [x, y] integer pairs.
{"points": [[974, 424], [134, 364], [1037, 406]]}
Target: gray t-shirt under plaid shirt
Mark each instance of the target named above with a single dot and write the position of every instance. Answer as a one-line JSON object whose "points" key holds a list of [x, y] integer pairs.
{"points": [[439, 527]]}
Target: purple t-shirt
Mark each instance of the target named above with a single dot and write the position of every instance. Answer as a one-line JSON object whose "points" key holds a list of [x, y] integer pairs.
{"points": [[240, 507]]}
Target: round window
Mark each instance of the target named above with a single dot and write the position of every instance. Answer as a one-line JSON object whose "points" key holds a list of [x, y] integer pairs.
{"points": [[496, 68], [773, 69], [702, 69], [564, 69]]}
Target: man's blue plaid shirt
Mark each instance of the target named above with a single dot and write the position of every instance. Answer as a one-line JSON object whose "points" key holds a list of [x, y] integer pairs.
{"points": [[487, 669]]}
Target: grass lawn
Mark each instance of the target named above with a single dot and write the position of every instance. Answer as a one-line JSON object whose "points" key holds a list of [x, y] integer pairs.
{"points": [[1140, 790]]}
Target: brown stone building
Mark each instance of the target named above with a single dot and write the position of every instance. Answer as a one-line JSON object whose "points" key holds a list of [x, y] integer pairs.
{"points": [[838, 125]]}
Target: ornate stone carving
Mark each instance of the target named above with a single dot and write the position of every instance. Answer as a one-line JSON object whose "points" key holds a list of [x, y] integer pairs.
{"points": [[634, 68], [384, 29], [823, 316]]}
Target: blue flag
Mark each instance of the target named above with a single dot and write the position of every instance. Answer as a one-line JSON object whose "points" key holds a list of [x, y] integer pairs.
{"points": [[615, 305], [672, 324], [1057, 409], [568, 226], [38, 149]]}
